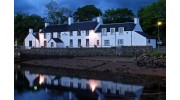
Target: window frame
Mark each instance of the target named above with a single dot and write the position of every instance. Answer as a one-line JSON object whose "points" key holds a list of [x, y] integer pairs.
{"points": [[104, 31], [113, 32], [120, 41], [106, 41], [121, 30]]}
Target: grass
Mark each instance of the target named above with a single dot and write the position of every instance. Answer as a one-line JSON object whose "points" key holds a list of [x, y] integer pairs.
{"points": [[158, 53]]}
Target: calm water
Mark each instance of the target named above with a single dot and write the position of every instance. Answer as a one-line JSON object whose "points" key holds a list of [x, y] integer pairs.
{"points": [[34, 85]]}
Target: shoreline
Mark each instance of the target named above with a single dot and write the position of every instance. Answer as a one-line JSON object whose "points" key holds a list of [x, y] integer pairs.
{"points": [[124, 65]]}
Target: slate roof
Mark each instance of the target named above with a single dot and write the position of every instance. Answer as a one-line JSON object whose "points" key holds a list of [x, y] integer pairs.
{"points": [[56, 28], [145, 35], [57, 40], [128, 26], [36, 35], [89, 25]]}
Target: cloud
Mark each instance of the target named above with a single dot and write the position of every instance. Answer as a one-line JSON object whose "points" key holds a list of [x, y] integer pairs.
{"points": [[38, 6]]}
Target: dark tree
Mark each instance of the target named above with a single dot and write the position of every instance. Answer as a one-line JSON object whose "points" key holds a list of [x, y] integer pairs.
{"points": [[87, 13], [57, 14], [22, 23], [150, 15], [118, 15]]}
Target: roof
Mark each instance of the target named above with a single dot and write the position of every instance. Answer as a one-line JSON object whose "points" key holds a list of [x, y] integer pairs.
{"points": [[89, 25], [56, 28], [128, 26], [36, 35], [57, 40], [145, 35]]}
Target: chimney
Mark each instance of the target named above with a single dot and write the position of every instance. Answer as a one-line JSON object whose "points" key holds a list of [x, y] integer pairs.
{"points": [[46, 24], [136, 20], [70, 20], [99, 20], [31, 31]]}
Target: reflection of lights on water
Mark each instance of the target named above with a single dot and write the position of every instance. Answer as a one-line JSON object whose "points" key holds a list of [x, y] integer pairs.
{"points": [[93, 84], [41, 79], [35, 87]]}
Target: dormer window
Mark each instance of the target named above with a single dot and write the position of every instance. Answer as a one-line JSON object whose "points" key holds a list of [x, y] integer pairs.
{"points": [[112, 30], [121, 30], [104, 31]]}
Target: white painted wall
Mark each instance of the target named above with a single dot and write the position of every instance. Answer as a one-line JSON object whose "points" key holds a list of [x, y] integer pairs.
{"points": [[93, 37], [30, 37], [138, 40], [49, 44]]}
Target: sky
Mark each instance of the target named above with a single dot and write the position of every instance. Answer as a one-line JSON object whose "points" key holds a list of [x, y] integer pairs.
{"points": [[38, 6]]}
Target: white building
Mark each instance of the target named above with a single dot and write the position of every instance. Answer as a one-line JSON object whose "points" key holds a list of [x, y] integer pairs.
{"points": [[90, 34]]}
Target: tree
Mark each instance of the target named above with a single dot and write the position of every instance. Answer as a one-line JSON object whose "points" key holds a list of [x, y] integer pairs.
{"points": [[118, 15], [150, 15], [22, 23], [57, 14], [87, 13]]}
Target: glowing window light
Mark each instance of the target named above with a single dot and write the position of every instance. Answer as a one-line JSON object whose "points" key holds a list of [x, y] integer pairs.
{"points": [[93, 84]]}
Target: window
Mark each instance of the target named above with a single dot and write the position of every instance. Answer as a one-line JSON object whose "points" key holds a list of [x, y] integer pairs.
{"points": [[87, 42], [148, 41], [58, 35], [45, 36], [71, 42], [52, 44], [97, 42], [121, 30], [87, 33], [78, 33], [112, 30], [79, 42], [71, 33], [120, 41], [30, 43], [106, 42], [45, 44], [104, 31]]}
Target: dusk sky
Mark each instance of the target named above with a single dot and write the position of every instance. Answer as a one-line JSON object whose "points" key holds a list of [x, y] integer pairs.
{"points": [[38, 6]]}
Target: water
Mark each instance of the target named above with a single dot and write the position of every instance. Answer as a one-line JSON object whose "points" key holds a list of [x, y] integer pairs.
{"points": [[37, 85]]}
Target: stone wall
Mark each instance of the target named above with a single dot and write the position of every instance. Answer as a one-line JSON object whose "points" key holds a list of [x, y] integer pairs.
{"points": [[84, 52]]}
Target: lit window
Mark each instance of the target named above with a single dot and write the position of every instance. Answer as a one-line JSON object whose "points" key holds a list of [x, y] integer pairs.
{"points": [[112, 30], [106, 42], [121, 30]]}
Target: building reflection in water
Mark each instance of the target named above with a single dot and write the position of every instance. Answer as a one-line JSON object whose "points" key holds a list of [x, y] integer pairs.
{"points": [[100, 87]]}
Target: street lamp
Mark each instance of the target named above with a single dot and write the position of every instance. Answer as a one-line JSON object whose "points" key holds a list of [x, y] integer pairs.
{"points": [[159, 42]]}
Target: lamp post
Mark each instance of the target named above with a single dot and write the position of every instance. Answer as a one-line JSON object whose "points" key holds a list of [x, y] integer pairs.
{"points": [[159, 24]]}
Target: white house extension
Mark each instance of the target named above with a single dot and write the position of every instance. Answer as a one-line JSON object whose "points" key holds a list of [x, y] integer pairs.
{"points": [[90, 34]]}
